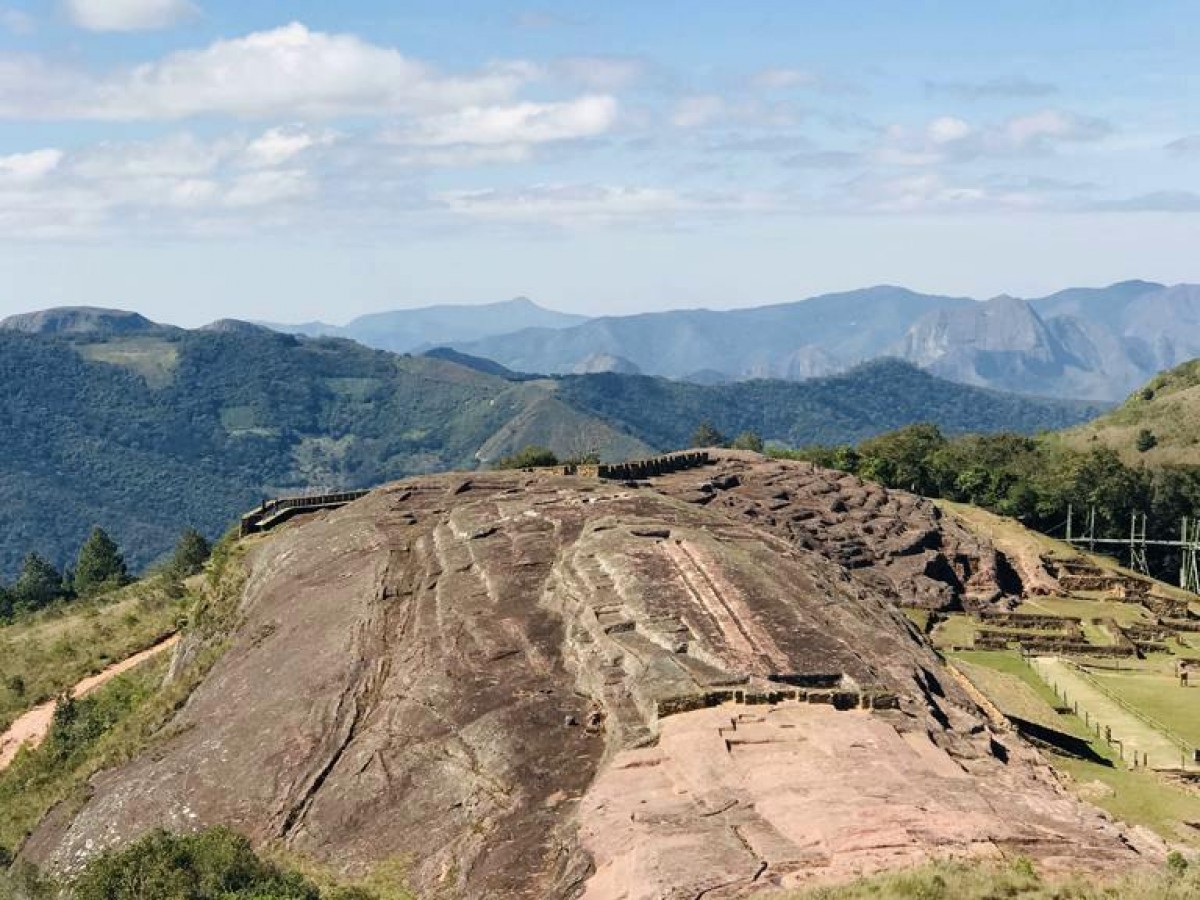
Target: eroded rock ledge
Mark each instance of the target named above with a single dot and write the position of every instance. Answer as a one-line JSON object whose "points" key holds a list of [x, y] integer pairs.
{"points": [[552, 687]]}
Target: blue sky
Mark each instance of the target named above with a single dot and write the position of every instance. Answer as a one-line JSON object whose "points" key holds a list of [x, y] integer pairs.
{"points": [[195, 159]]}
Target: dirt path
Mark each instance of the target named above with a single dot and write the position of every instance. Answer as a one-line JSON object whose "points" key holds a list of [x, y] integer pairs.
{"points": [[1135, 734], [33, 727]]}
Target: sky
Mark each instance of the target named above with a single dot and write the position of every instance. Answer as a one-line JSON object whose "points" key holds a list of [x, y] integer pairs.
{"points": [[198, 159]]}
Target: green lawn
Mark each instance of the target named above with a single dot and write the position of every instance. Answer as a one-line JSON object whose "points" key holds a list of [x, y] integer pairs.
{"points": [[957, 630], [1122, 613], [986, 880], [1009, 662], [1158, 695], [1139, 797]]}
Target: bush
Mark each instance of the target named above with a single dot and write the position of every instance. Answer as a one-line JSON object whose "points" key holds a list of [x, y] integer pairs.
{"points": [[531, 457], [217, 864], [748, 440]]}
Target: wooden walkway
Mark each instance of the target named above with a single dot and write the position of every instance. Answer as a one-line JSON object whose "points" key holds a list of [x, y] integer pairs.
{"points": [[277, 511]]}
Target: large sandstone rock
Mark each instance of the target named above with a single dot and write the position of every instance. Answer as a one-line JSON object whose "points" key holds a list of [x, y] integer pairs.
{"points": [[554, 687]]}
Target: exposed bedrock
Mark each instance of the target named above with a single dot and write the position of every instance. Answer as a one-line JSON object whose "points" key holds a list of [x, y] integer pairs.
{"points": [[550, 687]]}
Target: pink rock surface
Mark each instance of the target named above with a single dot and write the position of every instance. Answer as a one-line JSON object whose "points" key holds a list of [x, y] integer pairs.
{"points": [[734, 800]]}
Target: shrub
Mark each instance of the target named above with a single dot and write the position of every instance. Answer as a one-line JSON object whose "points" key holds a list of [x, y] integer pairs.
{"points": [[217, 864], [531, 457]]}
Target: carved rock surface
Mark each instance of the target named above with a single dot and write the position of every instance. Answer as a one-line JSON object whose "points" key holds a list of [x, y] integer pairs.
{"points": [[547, 687]]}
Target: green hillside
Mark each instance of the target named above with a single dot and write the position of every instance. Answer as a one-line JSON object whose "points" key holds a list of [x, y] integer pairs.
{"points": [[1159, 425], [145, 434], [873, 398], [149, 431]]}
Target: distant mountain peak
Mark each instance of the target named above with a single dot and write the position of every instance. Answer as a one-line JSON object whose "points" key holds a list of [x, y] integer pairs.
{"points": [[235, 326], [81, 320]]}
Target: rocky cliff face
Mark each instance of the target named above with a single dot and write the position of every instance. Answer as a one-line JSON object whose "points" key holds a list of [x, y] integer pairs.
{"points": [[550, 687]]}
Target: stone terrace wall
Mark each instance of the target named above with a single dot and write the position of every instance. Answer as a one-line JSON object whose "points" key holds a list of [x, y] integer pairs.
{"points": [[648, 468]]}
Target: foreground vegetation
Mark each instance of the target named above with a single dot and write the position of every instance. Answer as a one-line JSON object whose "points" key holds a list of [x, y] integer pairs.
{"points": [[123, 717], [45, 654], [217, 864], [1018, 880]]}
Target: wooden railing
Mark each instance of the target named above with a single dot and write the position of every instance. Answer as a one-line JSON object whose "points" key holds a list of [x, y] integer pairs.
{"points": [[280, 509]]}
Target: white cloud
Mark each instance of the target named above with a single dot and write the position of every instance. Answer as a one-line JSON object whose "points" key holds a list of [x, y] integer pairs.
{"points": [[173, 156], [948, 129], [929, 192], [571, 205], [166, 184], [1041, 129], [698, 111], [29, 167], [288, 71], [128, 15], [950, 139], [268, 188], [522, 123], [281, 145], [16, 21]]}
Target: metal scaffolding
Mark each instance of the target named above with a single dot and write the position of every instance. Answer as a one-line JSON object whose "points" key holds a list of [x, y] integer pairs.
{"points": [[1137, 543]]}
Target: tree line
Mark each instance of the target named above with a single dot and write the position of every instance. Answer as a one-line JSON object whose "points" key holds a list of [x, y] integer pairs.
{"points": [[99, 567]]}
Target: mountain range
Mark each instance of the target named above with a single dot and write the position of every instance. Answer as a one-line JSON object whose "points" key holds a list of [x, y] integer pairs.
{"points": [[415, 330], [1097, 344], [112, 419]]}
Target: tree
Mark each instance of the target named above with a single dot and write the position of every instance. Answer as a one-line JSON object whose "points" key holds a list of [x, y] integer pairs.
{"points": [[100, 565], [748, 440], [1146, 440], [905, 456], [531, 457], [706, 435], [38, 585], [191, 552]]}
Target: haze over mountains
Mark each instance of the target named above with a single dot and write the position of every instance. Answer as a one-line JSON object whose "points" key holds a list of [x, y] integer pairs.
{"points": [[408, 330], [1091, 343]]}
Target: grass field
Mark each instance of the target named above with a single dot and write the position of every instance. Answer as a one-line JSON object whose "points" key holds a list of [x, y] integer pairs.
{"points": [[45, 654], [1159, 695], [1140, 797], [1014, 696], [957, 630], [1078, 608], [991, 881]]}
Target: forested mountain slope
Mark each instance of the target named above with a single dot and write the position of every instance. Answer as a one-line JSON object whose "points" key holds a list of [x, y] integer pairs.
{"points": [[148, 431]]}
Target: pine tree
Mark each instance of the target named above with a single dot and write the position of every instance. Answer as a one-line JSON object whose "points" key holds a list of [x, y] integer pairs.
{"points": [[38, 585], [706, 435], [100, 565], [191, 552]]}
